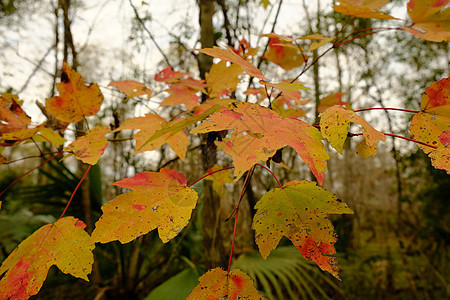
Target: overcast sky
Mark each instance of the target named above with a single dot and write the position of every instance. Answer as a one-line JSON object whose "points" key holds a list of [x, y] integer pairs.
{"points": [[103, 27]]}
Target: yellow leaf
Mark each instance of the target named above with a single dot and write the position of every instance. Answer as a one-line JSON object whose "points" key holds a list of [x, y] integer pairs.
{"points": [[428, 125], [316, 45], [334, 127], [148, 125], [222, 80], [265, 3], [13, 138], [48, 135], [90, 148], [299, 211], [157, 200], [63, 243]]}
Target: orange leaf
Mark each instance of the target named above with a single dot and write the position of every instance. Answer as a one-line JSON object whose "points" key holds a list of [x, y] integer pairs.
{"points": [[218, 284], [148, 125], [75, 100], [431, 17], [131, 88], [373, 4], [363, 9], [184, 92], [298, 211], [228, 55], [331, 100], [334, 127], [259, 132], [222, 80], [289, 90], [284, 54], [63, 243], [157, 200], [440, 158], [175, 126], [90, 148], [286, 38], [12, 116]]}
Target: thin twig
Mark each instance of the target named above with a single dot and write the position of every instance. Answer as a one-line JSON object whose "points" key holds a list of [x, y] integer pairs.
{"points": [[28, 172], [73, 194], [397, 136], [149, 33]]}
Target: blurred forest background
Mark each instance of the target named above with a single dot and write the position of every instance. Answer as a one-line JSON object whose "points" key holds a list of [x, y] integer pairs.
{"points": [[395, 246]]}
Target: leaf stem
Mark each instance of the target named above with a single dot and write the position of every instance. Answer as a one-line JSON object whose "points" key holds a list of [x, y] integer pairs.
{"points": [[400, 137], [241, 195], [387, 108], [236, 209], [272, 174], [232, 243], [210, 173], [28, 172], [27, 157], [73, 194]]}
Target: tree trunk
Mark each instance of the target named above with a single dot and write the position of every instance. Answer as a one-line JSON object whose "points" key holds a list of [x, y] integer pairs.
{"points": [[215, 255]]}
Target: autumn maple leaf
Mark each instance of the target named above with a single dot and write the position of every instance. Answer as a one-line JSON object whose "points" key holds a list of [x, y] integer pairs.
{"points": [[298, 211], [157, 200], [432, 124], [75, 100], [63, 243], [218, 284], [259, 132]]}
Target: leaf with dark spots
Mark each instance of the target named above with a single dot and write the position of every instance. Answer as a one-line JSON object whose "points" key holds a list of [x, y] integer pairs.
{"points": [[432, 124], [299, 211], [157, 200], [63, 243]]}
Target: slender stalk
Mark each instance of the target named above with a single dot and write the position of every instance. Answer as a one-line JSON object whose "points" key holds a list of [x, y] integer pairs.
{"points": [[73, 194], [23, 158], [400, 137], [206, 175], [236, 209], [232, 242], [388, 108], [272, 174], [28, 172]]}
